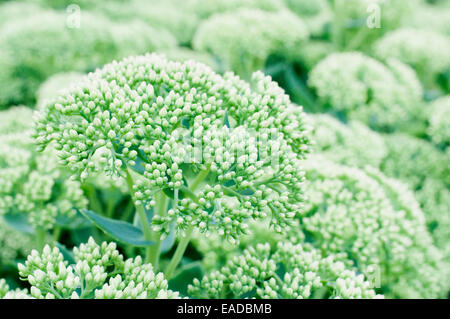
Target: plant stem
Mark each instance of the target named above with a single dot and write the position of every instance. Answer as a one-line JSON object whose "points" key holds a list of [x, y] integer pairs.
{"points": [[40, 238], [160, 210], [179, 253], [56, 233], [110, 205], [338, 25], [182, 245], [200, 178], [94, 202], [142, 217], [358, 39]]}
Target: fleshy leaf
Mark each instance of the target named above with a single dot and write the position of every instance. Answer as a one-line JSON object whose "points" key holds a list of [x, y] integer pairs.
{"points": [[119, 230]]}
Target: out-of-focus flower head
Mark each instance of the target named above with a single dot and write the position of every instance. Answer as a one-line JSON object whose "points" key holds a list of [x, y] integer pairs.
{"points": [[34, 48], [99, 272], [385, 97], [306, 274], [352, 144], [372, 221], [426, 51], [266, 33]]}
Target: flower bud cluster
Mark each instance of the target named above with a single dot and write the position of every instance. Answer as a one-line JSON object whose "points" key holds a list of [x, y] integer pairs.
{"points": [[278, 32], [375, 221], [171, 123], [99, 272], [289, 272], [385, 97], [31, 183]]}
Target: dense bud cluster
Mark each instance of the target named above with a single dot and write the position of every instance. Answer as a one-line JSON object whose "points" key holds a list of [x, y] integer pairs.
{"points": [[176, 129], [414, 160], [439, 129], [171, 15], [352, 144], [426, 51], [385, 97], [179, 126], [36, 47], [267, 33], [375, 221], [31, 183], [426, 171], [99, 271], [255, 273], [15, 120], [216, 251], [7, 293]]}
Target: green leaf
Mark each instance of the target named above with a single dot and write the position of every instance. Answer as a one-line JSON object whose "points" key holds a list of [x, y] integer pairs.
{"points": [[119, 230], [187, 271], [76, 222], [19, 222], [67, 254]]}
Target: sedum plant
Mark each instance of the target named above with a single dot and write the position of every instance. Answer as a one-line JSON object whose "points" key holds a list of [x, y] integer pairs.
{"points": [[267, 33], [216, 251], [198, 150], [7, 293], [55, 84], [289, 272], [372, 221], [425, 169], [356, 24], [315, 14], [386, 97], [351, 144], [32, 186], [97, 271], [163, 15], [426, 51], [59, 46], [431, 17], [15, 120], [206, 8], [439, 121]]}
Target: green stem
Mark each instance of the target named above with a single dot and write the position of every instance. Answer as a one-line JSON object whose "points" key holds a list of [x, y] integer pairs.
{"points": [[338, 25], [94, 202], [182, 245], [128, 210], [110, 205], [179, 253], [142, 217], [358, 39], [160, 210], [40, 237], [56, 233], [200, 178]]}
